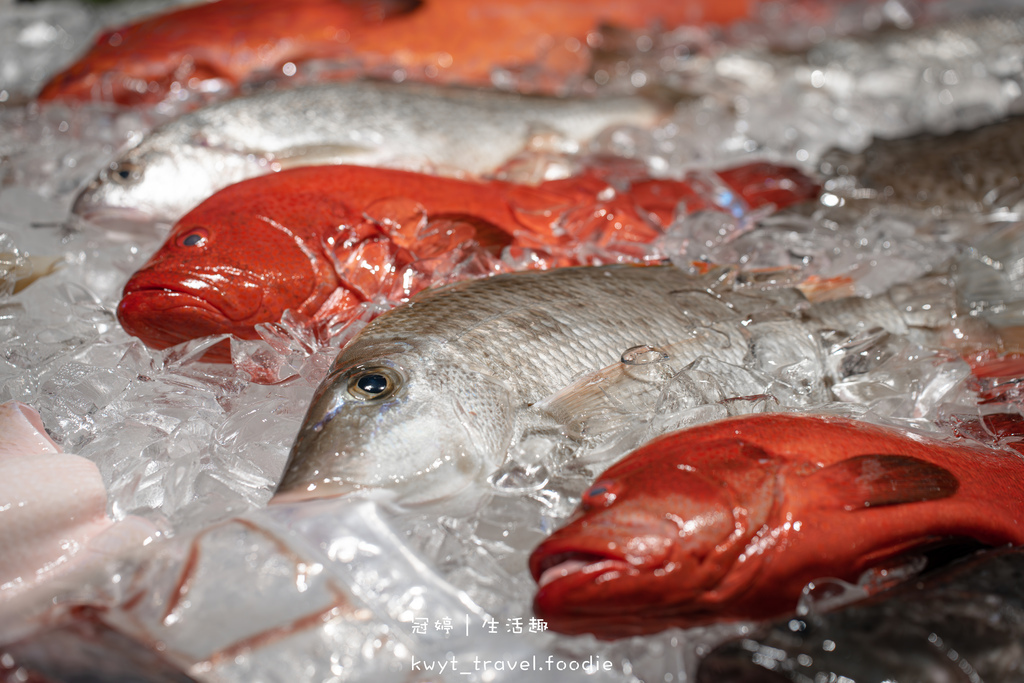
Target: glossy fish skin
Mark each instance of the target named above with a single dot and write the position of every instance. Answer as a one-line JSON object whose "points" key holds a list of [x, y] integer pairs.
{"points": [[729, 520], [145, 61], [300, 240], [461, 367], [959, 624], [447, 41], [418, 127]]}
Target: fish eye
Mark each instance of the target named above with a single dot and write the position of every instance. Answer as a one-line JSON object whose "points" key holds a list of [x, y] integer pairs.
{"points": [[124, 173], [196, 237], [373, 384], [600, 495]]}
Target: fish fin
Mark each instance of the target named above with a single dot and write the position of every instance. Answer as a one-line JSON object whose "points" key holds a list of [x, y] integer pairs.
{"points": [[318, 155], [817, 289], [875, 480], [593, 403]]}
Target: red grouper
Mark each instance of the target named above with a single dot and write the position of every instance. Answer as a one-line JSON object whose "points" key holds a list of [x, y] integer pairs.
{"points": [[448, 41], [730, 520], [321, 240]]}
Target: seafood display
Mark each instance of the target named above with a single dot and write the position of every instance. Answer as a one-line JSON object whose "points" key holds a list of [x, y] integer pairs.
{"points": [[731, 520], [805, 256], [324, 241]]}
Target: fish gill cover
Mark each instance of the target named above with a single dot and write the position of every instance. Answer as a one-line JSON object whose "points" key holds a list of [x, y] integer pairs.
{"points": [[362, 587]]}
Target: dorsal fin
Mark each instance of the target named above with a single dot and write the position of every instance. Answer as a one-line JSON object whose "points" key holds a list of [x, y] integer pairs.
{"points": [[875, 480]]}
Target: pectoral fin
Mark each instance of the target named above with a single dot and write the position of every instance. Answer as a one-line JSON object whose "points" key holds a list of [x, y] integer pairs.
{"points": [[320, 155], [875, 480]]}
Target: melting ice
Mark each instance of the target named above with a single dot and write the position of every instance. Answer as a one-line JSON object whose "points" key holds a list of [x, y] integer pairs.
{"points": [[361, 587]]}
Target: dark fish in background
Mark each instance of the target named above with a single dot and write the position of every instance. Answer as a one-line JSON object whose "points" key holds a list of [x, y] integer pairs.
{"points": [[971, 171], [962, 624]]}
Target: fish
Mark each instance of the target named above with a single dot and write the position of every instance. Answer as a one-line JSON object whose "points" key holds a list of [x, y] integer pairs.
{"points": [[455, 132], [319, 241], [432, 395], [730, 520], [959, 623], [964, 172], [221, 45]]}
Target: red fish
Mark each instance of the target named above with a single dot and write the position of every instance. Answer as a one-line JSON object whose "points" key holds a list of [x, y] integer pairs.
{"points": [[322, 240], [463, 41], [730, 520]]}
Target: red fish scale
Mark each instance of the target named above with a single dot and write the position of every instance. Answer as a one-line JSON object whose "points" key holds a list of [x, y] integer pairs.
{"points": [[805, 484], [379, 233]]}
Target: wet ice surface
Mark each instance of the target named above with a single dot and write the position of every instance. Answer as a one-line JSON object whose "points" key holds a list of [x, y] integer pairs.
{"points": [[339, 589]]}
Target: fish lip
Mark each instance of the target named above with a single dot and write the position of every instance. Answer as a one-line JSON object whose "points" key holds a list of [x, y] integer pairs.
{"points": [[125, 218], [155, 281], [574, 564]]}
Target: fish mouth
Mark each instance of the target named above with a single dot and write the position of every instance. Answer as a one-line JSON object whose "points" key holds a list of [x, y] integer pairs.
{"points": [[118, 218], [577, 567], [163, 313]]}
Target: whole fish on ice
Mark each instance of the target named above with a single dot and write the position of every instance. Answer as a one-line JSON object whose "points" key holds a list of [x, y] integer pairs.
{"points": [[218, 45], [433, 394], [730, 520], [322, 240], [960, 624], [418, 127]]}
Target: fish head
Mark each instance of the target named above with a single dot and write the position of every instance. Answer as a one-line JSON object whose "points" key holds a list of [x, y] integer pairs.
{"points": [[654, 540], [235, 261], [406, 416], [160, 180]]}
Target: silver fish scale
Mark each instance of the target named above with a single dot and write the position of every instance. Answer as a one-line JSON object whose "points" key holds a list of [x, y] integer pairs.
{"points": [[446, 130], [538, 331]]}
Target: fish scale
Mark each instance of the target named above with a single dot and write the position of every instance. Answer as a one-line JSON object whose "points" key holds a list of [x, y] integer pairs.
{"points": [[454, 379], [451, 131]]}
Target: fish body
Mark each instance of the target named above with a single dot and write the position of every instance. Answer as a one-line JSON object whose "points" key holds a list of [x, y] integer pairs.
{"points": [[730, 520], [963, 172], [417, 127], [321, 240], [962, 623], [448, 41], [433, 394]]}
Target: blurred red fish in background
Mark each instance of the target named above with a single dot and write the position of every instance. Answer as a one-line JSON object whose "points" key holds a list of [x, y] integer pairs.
{"points": [[730, 520], [447, 41], [320, 241]]}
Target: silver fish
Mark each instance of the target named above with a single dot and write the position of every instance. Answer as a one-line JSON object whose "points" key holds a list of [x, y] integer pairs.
{"points": [[434, 394], [415, 127]]}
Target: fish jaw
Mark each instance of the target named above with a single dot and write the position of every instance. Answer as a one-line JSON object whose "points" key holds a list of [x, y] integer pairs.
{"points": [[594, 579], [219, 273], [658, 540], [439, 428]]}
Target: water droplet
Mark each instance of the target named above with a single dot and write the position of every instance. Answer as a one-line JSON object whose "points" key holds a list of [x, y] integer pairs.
{"points": [[643, 355]]}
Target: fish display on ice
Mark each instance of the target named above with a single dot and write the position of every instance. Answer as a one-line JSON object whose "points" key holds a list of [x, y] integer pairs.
{"points": [[433, 394], [188, 444], [224, 44], [730, 520], [320, 241], [960, 624], [417, 127]]}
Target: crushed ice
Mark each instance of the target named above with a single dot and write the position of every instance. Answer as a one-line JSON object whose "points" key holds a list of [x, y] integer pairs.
{"points": [[361, 587]]}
